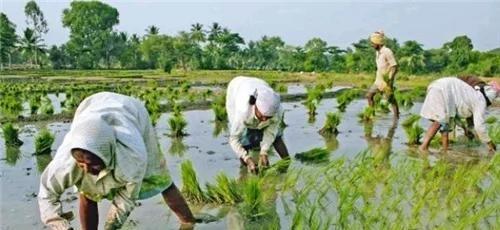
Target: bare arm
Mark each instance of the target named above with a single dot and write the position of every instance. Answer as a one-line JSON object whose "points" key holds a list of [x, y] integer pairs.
{"points": [[89, 213]]}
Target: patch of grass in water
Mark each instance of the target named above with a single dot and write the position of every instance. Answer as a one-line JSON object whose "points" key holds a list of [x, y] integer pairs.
{"points": [[177, 123], [368, 114], [412, 129], [11, 135], [345, 98], [316, 155], [43, 142], [190, 187], [330, 127]]}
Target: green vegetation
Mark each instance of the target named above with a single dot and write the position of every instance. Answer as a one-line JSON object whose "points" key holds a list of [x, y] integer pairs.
{"points": [[43, 142], [346, 97], [219, 108], [367, 115], [331, 123], [314, 96], [11, 135], [190, 186], [412, 129], [316, 155], [46, 107], [177, 122]]}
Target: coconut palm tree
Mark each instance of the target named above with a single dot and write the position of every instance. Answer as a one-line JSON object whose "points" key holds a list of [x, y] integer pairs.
{"points": [[31, 46], [152, 30], [197, 33]]}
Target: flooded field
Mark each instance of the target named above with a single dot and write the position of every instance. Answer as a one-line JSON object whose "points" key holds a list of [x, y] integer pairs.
{"points": [[208, 150]]}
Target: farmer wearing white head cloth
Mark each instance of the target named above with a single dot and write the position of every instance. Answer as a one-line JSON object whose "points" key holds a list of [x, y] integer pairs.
{"points": [[387, 67], [464, 97], [112, 152], [255, 113]]}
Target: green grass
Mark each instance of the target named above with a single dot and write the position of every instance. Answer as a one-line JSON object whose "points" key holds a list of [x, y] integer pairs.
{"points": [[190, 187], [253, 206], [43, 142], [225, 191], [345, 98], [412, 129], [494, 132], [330, 127], [316, 155], [177, 124], [11, 135]]}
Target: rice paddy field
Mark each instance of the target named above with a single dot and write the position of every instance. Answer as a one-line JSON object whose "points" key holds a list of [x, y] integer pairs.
{"points": [[350, 167]]}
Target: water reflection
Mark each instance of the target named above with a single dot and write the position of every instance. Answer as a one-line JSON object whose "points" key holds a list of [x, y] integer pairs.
{"points": [[42, 161], [177, 147]]}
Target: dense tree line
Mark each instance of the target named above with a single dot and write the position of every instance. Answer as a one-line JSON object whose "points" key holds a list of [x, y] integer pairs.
{"points": [[94, 43]]}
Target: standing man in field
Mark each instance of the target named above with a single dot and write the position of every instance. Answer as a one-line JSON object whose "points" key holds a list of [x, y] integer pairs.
{"points": [[255, 113], [387, 67]]}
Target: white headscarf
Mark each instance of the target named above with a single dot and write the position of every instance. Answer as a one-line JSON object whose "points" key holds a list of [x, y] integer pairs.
{"points": [[268, 102]]}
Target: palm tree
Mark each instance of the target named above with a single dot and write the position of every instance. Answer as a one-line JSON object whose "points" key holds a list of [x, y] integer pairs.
{"points": [[197, 33], [214, 32], [152, 30], [31, 45]]}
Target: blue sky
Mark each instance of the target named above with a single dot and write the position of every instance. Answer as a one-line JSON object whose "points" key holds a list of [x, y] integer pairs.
{"points": [[340, 23]]}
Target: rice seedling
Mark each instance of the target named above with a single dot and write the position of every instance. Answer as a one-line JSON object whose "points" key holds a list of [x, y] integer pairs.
{"points": [[494, 132], [46, 107], [279, 87], [381, 104], [34, 102], [281, 166], [10, 106], [42, 161], [314, 96], [345, 98], [491, 120], [177, 122], [368, 114], [316, 155], [253, 206], [190, 186], [152, 103], [11, 135], [330, 127], [219, 128], [226, 191], [43, 142], [412, 129], [220, 112], [177, 147]]}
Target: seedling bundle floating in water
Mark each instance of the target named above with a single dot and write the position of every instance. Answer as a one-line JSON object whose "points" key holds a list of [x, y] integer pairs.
{"points": [[412, 129], [345, 98], [11, 135], [316, 155], [43, 142], [368, 114], [219, 108], [331, 123], [177, 123]]}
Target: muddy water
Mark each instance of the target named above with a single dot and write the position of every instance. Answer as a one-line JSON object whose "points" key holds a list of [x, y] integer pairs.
{"points": [[210, 154]]}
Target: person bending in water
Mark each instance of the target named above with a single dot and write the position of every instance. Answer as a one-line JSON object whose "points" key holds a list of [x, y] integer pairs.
{"points": [[112, 152], [255, 114], [387, 67], [465, 97]]}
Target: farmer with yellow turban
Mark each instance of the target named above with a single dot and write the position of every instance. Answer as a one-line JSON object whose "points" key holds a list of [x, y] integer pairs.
{"points": [[387, 67]]}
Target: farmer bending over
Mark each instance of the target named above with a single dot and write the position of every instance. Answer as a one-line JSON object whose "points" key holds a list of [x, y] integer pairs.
{"points": [[463, 97], [111, 152], [387, 67], [255, 113]]}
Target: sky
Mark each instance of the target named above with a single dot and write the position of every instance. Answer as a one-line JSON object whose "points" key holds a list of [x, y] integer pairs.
{"points": [[340, 23]]}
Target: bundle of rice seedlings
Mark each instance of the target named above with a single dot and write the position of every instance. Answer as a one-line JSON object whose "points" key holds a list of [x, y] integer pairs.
{"points": [[281, 166], [43, 142], [331, 123], [220, 112], [381, 104], [316, 155], [345, 98], [412, 129], [314, 96], [177, 125], [34, 102], [404, 99], [226, 191], [46, 107], [367, 115], [190, 187], [219, 128], [494, 132], [12, 154], [279, 87], [253, 205], [11, 135]]}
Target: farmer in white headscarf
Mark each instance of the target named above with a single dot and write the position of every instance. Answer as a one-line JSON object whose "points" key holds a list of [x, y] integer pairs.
{"points": [[255, 114], [111, 152], [387, 67], [465, 97]]}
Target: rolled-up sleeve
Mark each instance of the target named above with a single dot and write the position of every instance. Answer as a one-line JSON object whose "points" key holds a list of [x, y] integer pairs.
{"points": [[54, 180], [122, 205], [479, 115], [237, 129]]}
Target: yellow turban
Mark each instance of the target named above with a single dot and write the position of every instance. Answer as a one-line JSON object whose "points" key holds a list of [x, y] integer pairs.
{"points": [[377, 38]]}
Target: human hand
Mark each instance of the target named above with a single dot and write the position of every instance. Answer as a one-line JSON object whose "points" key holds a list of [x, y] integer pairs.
{"points": [[263, 160], [251, 165]]}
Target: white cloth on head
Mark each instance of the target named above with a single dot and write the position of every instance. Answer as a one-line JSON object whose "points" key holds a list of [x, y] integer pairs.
{"points": [[117, 129], [241, 114], [268, 102], [450, 96]]}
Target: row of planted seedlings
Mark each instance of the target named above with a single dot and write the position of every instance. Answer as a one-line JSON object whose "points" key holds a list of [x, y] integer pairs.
{"points": [[397, 192], [43, 146]]}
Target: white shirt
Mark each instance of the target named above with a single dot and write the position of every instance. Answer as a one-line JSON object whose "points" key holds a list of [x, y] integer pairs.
{"points": [[241, 115], [385, 60]]}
